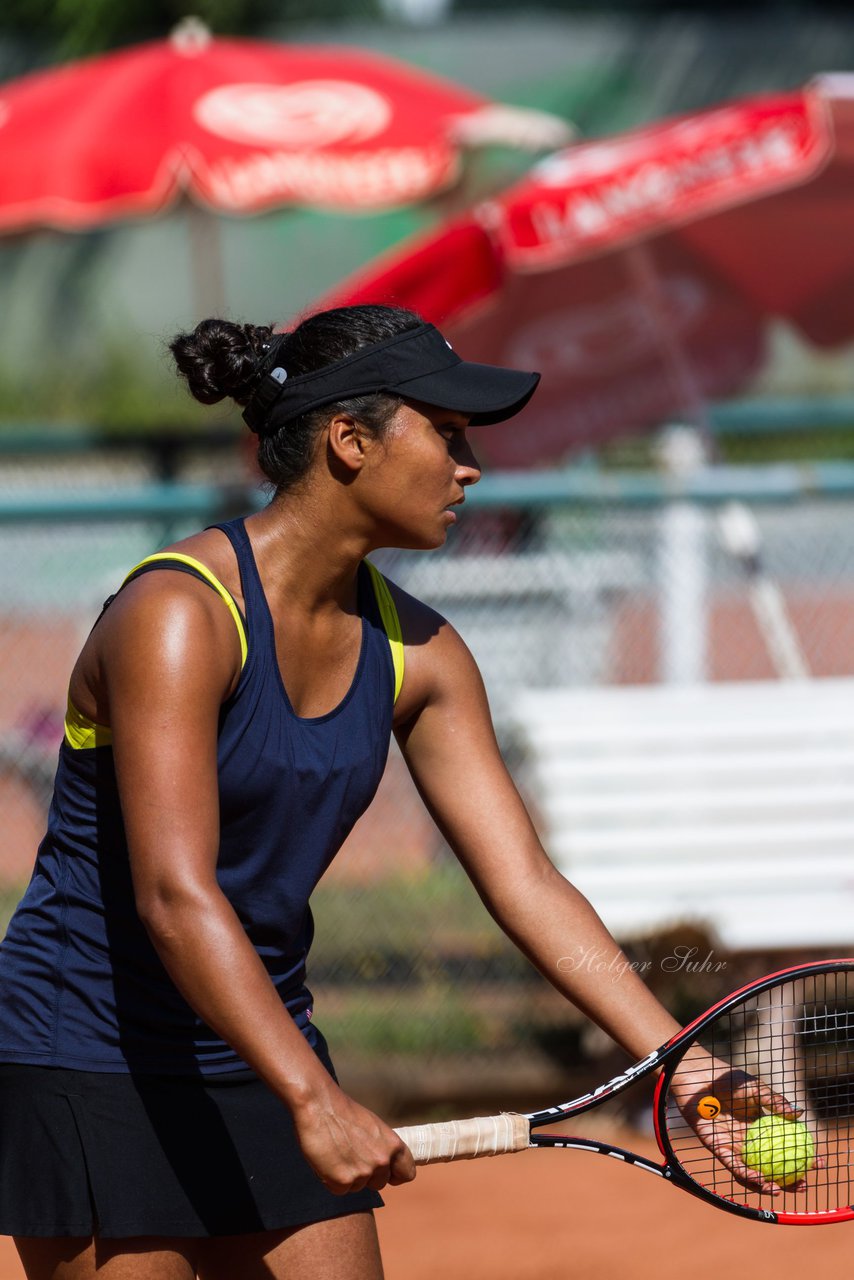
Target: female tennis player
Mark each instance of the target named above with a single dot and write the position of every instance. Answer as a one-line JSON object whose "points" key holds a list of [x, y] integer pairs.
{"points": [[168, 1108]]}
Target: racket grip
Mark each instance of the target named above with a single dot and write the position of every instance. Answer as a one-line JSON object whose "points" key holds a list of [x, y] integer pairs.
{"points": [[466, 1139]]}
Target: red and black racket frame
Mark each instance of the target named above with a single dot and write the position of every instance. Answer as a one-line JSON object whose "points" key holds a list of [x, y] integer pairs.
{"points": [[667, 1059]]}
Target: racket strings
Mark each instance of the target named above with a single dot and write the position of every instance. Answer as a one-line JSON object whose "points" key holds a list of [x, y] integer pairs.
{"points": [[797, 1038]]}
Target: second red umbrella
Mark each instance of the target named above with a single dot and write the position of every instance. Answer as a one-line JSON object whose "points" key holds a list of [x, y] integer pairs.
{"points": [[639, 273]]}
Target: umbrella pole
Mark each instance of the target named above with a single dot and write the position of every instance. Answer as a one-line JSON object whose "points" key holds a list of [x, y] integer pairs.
{"points": [[737, 527], [207, 278], [692, 401]]}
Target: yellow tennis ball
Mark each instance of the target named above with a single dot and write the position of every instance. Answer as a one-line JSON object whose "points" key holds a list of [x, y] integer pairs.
{"points": [[783, 1150], [709, 1107]]}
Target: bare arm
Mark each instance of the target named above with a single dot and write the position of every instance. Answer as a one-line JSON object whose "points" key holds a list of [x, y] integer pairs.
{"points": [[170, 657], [445, 732]]}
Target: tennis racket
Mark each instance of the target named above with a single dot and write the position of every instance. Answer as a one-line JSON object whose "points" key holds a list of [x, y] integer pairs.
{"points": [[783, 1045]]}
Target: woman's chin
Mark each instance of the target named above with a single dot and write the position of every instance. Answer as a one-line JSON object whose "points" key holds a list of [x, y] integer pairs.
{"points": [[418, 539], [438, 540], [424, 544]]}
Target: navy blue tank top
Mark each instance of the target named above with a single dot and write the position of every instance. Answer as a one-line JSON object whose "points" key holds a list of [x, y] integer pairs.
{"points": [[80, 983]]}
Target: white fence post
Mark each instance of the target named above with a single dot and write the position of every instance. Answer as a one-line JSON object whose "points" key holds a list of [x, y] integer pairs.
{"points": [[682, 567]]}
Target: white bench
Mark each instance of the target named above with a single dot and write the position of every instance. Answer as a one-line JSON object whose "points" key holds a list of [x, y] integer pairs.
{"points": [[730, 805]]}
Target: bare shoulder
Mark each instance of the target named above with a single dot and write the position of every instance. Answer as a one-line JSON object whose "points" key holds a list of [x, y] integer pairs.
{"points": [[212, 548], [436, 656], [169, 600], [158, 603], [162, 624]]}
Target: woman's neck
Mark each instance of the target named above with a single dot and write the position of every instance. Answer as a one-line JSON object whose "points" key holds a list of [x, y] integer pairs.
{"points": [[306, 553]]}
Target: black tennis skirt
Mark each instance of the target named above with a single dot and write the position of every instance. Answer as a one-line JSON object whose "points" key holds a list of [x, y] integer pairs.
{"points": [[84, 1153]]}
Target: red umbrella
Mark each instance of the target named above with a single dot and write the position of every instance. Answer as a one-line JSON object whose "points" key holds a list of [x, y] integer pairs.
{"points": [[640, 272], [241, 125]]}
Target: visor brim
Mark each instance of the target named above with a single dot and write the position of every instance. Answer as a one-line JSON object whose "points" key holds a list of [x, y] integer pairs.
{"points": [[485, 393]]}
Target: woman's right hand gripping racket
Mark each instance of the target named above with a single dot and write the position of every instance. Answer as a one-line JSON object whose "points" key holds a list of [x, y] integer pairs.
{"points": [[754, 1109]]}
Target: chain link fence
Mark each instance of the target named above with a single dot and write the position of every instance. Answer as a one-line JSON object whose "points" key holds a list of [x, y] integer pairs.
{"points": [[416, 988]]}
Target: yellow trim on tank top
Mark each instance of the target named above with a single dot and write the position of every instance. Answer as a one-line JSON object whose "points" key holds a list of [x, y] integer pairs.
{"points": [[391, 623], [83, 734], [221, 591]]}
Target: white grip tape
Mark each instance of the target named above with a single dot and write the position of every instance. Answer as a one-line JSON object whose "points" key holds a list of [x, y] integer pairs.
{"points": [[466, 1139]]}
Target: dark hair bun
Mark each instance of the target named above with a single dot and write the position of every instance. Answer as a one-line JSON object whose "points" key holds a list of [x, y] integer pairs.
{"points": [[220, 358]]}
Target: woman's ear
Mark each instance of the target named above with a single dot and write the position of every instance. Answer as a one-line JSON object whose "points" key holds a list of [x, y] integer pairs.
{"points": [[347, 441]]}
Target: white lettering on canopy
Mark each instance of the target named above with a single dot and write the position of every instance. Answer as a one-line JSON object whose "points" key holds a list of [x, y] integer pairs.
{"points": [[307, 113], [655, 185], [370, 180], [602, 193]]}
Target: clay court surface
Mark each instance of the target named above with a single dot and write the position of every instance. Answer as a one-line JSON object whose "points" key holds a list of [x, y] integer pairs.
{"points": [[563, 1215], [569, 1215]]}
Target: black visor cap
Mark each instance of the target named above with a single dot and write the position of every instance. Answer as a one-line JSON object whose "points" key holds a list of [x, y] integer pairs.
{"points": [[417, 364]]}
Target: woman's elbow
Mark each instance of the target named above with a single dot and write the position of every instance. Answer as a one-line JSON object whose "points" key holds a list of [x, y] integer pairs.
{"points": [[168, 906]]}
